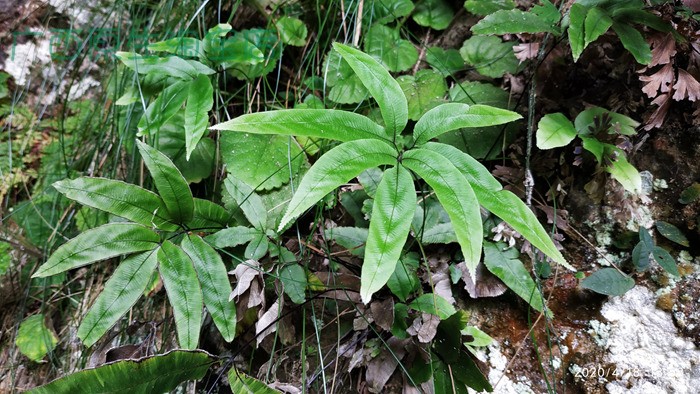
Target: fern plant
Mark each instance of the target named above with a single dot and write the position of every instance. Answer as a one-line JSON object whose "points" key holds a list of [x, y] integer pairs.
{"points": [[460, 182], [192, 271]]}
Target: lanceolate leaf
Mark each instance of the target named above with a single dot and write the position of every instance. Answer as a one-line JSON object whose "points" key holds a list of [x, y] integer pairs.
{"points": [[250, 202], [169, 65], [230, 237], [164, 107], [513, 21], [626, 174], [184, 293], [335, 168], [513, 211], [181, 46], [171, 185], [162, 373], [504, 263], [258, 246], [672, 233], [477, 175], [320, 123], [351, 238], [577, 16], [597, 23], [453, 116], [404, 280], [215, 285], [394, 206], [118, 198], [381, 85], [122, 290], [100, 243], [634, 42], [208, 216], [455, 195], [501, 203], [200, 100], [244, 384]]}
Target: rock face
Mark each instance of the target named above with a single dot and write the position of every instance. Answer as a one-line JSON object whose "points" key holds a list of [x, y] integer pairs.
{"points": [[645, 346]]}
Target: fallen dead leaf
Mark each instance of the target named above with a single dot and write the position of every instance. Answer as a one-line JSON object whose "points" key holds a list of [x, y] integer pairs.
{"points": [[380, 368], [663, 49], [486, 283], [657, 118], [424, 327], [686, 87], [383, 313], [660, 81], [244, 273], [265, 324]]}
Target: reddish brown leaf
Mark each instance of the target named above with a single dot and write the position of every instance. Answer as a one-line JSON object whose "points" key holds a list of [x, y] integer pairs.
{"points": [[526, 51], [686, 87], [383, 313], [657, 118], [692, 4], [380, 368], [486, 283], [663, 49], [424, 327], [659, 81]]}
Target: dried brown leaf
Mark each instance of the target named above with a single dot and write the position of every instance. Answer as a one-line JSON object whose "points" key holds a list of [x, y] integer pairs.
{"points": [[663, 49], [439, 275], [694, 60], [526, 51], [424, 327], [286, 388], [486, 283], [255, 294], [660, 81], [265, 324], [686, 87], [383, 313], [244, 273], [692, 4], [558, 217], [363, 317], [657, 118], [380, 368]]}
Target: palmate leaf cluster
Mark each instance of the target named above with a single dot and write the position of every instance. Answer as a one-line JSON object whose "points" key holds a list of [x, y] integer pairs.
{"points": [[193, 273], [460, 183]]}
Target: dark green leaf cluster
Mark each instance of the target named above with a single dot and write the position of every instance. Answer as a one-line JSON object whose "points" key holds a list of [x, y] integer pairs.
{"points": [[460, 183], [193, 273]]}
